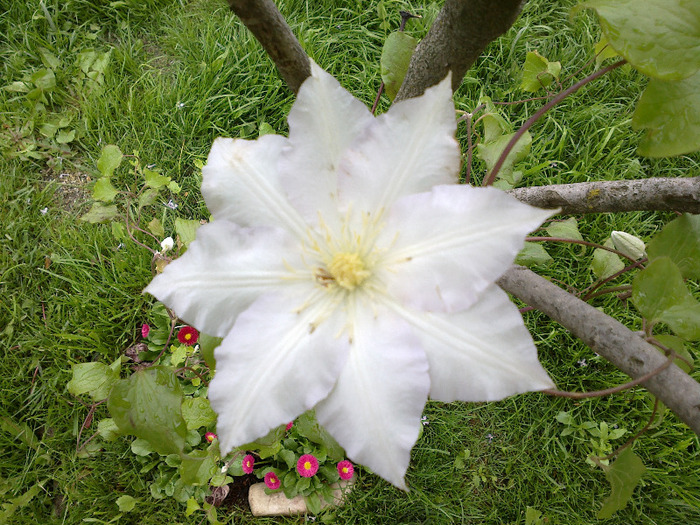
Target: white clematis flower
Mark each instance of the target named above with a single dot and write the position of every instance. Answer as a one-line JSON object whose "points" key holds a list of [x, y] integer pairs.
{"points": [[347, 271]]}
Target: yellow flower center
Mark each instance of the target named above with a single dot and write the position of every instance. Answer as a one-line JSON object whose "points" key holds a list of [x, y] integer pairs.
{"points": [[307, 465], [348, 270], [188, 337]]}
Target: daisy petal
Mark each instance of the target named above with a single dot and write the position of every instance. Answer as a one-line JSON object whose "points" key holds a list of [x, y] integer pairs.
{"points": [[224, 270], [375, 408], [275, 364], [473, 235], [241, 183], [324, 120], [407, 150], [474, 360]]}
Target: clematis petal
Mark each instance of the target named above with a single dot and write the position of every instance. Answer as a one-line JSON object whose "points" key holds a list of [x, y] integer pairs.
{"points": [[324, 120], [240, 182], [276, 363], [484, 353], [224, 270], [375, 408], [473, 235], [407, 150]]}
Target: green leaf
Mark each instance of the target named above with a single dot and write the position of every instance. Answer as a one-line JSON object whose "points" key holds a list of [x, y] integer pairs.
{"points": [[313, 503], [109, 160], [126, 503], [606, 263], [603, 51], [533, 254], [44, 79], [268, 445], [49, 59], [197, 467], [148, 197], [65, 136], [661, 38], [197, 412], [538, 72], [207, 345], [567, 229], [660, 294], [265, 129], [679, 240], [100, 213], [16, 87], [95, 379], [141, 447], [676, 344], [192, 506], [108, 429], [533, 516], [670, 112], [186, 229], [155, 179], [396, 55], [156, 228], [11, 506], [119, 231], [623, 475], [147, 405], [103, 190], [174, 187], [309, 427], [489, 152], [288, 457]]}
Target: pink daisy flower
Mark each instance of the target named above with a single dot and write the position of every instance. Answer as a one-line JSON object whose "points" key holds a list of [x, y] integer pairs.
{"points": [[307, 466], [187, 335], [248, 463], [145, 329], [289, 426], [272, 482], [210, 436], [345, 469]]}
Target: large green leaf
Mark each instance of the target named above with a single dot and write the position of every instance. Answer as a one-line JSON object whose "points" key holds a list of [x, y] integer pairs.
{"points": [[308, 427], [660, 294], [679, 240], [670, 112], [103, 190], [661, 38], [396, 55], [624, 475], [147, 405], [197, 412]]}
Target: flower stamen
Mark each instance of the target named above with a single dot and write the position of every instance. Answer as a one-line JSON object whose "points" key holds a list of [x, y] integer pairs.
{"points": [[348, 270]]}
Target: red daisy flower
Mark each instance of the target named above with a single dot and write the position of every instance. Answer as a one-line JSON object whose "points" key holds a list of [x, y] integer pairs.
{"points": [[210, 436], [248, 463], [187, 335], [145, 329], [345, 469], [272, 482], [307, 466]]}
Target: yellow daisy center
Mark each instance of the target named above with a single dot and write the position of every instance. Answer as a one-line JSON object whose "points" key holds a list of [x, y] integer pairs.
{"points": [[307, 465]]}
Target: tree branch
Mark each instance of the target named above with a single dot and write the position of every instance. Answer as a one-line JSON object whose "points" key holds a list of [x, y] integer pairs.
{"points": [[268, 25], [456, 39], [609, 338], [672, 194]]}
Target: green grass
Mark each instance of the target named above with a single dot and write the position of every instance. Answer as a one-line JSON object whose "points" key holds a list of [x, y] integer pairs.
{"points": [[181, 74]]}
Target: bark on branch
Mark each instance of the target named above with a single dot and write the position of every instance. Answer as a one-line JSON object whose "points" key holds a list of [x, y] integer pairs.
{"points": [[672, 194], [268, 25], [609, 338], [456, 39]]}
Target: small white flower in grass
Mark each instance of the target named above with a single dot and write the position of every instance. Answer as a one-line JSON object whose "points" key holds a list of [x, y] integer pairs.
{"points": [[348, 272]]}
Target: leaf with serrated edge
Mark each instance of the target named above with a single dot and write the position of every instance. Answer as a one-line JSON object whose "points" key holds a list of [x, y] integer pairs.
{"points": [[660, 294], [679, 240], [661, 38]]}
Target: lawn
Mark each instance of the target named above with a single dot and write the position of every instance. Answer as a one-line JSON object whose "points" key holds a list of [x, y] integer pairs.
{"points": [[161, 80]]}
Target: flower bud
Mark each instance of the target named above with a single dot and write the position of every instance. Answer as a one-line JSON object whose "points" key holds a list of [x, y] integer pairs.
{"points": [[167, 244], [628, 244]]}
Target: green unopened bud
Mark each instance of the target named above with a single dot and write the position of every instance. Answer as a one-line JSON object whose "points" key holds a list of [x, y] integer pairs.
{"points": [[628, 244]]}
